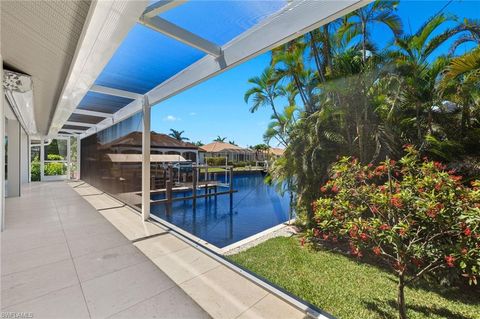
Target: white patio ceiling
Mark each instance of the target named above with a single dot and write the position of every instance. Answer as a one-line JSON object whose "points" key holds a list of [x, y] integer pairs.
{"points": [[100, 91]]}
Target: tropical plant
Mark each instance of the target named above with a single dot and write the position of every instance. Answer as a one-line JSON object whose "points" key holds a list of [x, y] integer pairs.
{"points": [[220, 139], [264, 91], [413, 215], [178, 135], [359, 22]]}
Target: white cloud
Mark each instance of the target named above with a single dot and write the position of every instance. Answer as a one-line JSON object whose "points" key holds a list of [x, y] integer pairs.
{"points": [[192, 113], [171, 118]]}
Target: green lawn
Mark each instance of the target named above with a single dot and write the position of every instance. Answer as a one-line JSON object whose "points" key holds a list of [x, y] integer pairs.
{"points": [[347, 288]]}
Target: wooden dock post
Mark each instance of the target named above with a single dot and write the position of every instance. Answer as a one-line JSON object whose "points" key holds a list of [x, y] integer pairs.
{"points": [[194, 185], [169, 187], [230, 180]]}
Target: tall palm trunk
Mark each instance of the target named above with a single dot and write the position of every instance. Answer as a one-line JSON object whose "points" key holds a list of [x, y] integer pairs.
{"points": [[316, 56], [303, 96], [327, 48], [364, 41], [419, 128]]}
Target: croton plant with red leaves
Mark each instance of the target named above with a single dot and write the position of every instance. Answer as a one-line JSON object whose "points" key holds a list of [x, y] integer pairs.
{"points": [[413, 214]]}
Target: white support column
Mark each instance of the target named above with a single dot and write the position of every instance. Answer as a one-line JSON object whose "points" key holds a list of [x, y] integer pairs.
{"points": [[42, 159], [68, 159], [79, 154], [146, 159], [24, 161], [29, 155], [14, 151]]}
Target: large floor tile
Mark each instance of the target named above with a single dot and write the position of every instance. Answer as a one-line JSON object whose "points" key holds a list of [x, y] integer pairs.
{"points": [[33, 283], [103, 201], [160, 245], [60, 304], [223, 293], [172, 303], [101, 263], [272, 307], [130, 224], [185, 264], [24, 260], [122, 289], [87, 190], [84, 245], [26, 241]]}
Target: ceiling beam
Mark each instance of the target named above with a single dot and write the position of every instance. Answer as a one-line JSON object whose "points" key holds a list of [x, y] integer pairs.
{"points": [[79, 124], [71, 131], [173, 31], [160, 7], [299, 17], [92, 113], [115, 92]]}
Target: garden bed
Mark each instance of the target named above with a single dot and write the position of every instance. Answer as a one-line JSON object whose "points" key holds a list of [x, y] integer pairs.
{"points": [[347, 288]]}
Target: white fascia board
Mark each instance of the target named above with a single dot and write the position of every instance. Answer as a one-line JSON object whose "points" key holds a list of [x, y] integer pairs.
{"points": [[161, 6], [107, 24], [180, 34], [298, 18], [115, 92]]}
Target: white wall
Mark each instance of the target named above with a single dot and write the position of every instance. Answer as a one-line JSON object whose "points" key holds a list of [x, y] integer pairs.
{"points": [[24, 163], [13, 184]]}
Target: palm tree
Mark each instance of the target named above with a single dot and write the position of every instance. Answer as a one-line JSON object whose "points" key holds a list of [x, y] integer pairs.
{"points": [[289, 65], [460, 83], [220, 139], [232, 142], [358, 22], [264, 91], [178, 135], [412, 63]]}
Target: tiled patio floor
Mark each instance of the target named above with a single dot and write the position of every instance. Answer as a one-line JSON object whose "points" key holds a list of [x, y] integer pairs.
{"points": [[62, 259], [67, 252]]}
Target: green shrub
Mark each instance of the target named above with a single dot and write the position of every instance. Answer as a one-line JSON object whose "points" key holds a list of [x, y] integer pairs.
{"points": [[412, 215], [216, 161], [35, 171], [53, 169], [54, 157]]}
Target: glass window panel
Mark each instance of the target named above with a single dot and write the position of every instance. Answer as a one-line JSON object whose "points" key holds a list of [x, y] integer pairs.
{"points": [[35, 163], [56, 150], [55, 168]]}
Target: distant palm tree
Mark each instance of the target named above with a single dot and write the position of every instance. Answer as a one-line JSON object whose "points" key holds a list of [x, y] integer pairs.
{"points": [[199, 143], [220, 139], [178, 135], [232, 142]]}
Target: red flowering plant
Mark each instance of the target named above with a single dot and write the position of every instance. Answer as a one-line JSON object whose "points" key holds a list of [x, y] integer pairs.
{"points": [[412, 214]]}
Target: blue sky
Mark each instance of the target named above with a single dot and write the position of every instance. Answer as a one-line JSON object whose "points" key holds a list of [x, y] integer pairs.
{"points": [[216, 107]]}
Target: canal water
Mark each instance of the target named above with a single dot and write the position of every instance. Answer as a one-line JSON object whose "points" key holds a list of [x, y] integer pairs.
{"points": [[222, 221]]}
